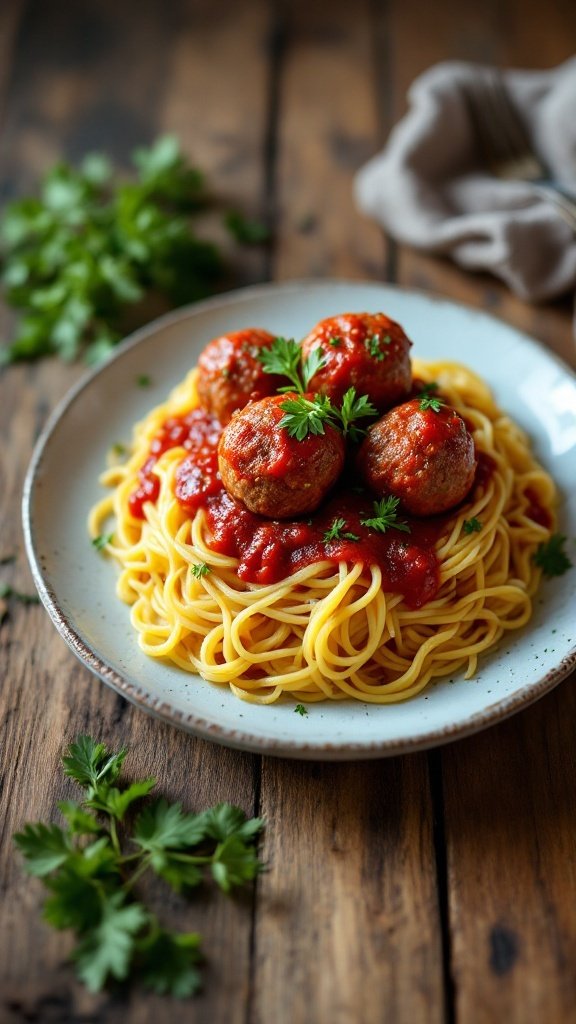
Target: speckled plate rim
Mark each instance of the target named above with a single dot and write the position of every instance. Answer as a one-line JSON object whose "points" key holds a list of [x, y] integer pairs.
{"points": [[241, 738]]}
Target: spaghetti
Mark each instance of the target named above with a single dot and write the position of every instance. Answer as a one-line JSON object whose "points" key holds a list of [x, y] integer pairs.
{"points": [[331, 631]]}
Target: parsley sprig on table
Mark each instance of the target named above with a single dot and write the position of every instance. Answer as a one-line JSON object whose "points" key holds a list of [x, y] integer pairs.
{"points": [[551, 557], [89, 248], [385, 516], [90, 875]]}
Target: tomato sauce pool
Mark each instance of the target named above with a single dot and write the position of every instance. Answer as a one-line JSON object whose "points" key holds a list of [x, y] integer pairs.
{"points": [[269, 550]]}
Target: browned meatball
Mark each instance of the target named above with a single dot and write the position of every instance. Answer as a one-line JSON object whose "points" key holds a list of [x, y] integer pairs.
{"points": [[365, 350], [272, 473], [230, 374], [426, 458]]}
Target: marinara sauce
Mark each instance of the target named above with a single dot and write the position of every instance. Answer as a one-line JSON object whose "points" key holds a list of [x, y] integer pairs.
{"points": [[269, 550]]}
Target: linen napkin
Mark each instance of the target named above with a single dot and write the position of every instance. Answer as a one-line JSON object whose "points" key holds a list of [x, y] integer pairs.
{"points": [[430, 187]]}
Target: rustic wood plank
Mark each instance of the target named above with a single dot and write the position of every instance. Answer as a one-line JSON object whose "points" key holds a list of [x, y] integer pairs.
{"points": [[328, 128], [347, 926], [508, 795], [510, 811], [76, 84]]}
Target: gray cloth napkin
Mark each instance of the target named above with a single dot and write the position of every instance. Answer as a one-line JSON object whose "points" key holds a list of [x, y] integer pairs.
{"points": [[429, 187]]}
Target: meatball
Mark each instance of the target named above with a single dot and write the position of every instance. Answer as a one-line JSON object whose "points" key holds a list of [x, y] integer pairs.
{"points": [[230, 373], [272, 473], [426, 458], [365, 350]]}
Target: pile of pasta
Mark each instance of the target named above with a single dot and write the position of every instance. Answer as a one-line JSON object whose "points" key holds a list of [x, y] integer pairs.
{"points": [[330, 632]]}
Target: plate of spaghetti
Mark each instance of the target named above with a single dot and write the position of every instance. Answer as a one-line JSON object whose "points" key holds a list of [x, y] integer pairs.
{"points": [[325, 520]]}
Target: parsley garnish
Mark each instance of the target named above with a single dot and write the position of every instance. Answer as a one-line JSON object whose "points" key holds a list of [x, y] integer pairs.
{"points": [[305, 416], [89, 248], [90, 876], [385, 516], [472, 525], [102, 540], [200, 569], [283, 358], [143, 380], [551, 557], [337, 532], [372, 344], [300, 709], [352, 409], [335, 341], [429, 402]]}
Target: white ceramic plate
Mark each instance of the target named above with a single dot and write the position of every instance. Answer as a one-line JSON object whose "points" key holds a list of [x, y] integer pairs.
{"points": [[77, 585]]}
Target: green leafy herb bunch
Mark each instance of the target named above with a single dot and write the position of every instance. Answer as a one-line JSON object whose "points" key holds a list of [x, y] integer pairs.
{"points": [[92, 865]]}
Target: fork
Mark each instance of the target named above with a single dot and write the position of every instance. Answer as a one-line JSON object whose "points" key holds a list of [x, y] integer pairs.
{"points": [[506, 145]]}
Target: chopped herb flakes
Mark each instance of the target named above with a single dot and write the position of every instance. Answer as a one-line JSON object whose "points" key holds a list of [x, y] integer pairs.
{"points": [[102, 540], [472, 525]]}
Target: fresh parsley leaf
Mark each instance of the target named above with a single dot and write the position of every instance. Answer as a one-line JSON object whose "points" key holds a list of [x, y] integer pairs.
{"points": [[143, 380], [283, 359], [338, 532], [200, 569], [249, 232], [303, 416], [44, 847], [335, 341], [385, 516], [107, 949], [89, 248], [74, 900], [551, 557], [225, 820], [234, 863], [80, 822], [168, 963], [116, 802], [163, 826], [102, 540], [90, 763], [310, 366], [429, 402], [472, 525], [301, 709], [355, 408]]}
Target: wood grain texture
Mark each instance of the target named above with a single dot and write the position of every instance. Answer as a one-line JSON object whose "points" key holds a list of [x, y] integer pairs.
{"points": [[348, 926], [73, 87], [327, 127]]}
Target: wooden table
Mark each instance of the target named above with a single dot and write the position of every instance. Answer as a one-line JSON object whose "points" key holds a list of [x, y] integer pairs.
{"points": [[435, 887]]}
